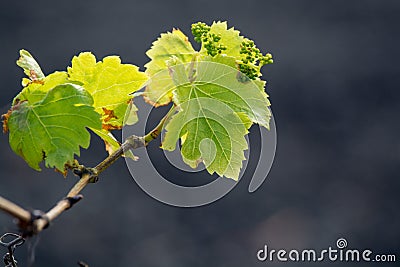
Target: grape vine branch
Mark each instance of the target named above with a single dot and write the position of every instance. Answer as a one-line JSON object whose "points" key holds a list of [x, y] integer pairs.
{"points": [[216, 94]]}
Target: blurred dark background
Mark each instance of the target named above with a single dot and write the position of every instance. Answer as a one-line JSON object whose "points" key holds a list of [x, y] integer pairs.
{"points": [[335, 96]]}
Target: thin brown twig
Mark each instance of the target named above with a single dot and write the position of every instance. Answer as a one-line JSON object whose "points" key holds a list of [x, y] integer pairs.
{"points": [[14, 210], [36, 225]]}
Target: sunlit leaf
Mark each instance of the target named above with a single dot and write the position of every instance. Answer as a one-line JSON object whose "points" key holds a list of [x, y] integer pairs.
{"points": [[172, 46], [30, 66], [215, 109], [110, 83], [53, 129]]}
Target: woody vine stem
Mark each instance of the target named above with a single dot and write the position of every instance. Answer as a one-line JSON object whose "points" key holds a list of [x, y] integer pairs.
{"points": [[32, 223]]}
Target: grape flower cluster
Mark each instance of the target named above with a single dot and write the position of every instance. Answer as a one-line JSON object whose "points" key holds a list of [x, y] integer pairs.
{"points": [[202, 34], [252, 59]]}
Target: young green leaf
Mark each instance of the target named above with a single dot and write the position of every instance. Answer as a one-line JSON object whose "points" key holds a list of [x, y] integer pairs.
{"points": [[171, 46], [54, 128], [110, 83], [30, 66]]}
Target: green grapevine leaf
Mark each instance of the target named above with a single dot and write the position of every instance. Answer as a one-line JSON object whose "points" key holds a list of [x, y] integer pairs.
{"points": [[173, 46], [111, 84], [217, 92], [215, 111], [54, 128]]}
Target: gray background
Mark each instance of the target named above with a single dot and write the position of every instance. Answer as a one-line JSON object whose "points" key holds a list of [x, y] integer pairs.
{"points": [[334, 91]]}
